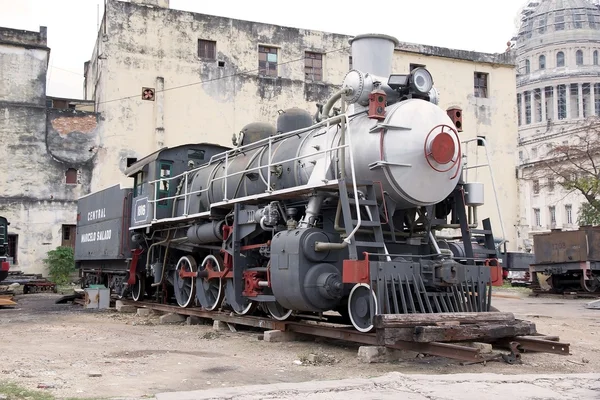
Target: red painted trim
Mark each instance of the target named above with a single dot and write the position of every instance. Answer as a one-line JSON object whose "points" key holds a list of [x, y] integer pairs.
{"points": [[5, 266]]}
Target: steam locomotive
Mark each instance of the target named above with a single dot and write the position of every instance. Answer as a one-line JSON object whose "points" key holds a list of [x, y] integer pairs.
{"points": [[335, 215]]}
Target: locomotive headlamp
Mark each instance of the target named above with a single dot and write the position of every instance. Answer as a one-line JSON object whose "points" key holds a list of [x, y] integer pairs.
{"points": [[398, 81], [421, 80]]}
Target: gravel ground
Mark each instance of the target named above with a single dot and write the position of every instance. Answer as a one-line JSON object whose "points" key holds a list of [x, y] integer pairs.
{"points": [[70, 351]]}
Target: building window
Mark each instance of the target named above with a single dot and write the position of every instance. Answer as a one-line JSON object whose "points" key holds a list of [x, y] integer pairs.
{"points": [[551, 183], [481, 84], [574, 100], [207, 49], [313, 66], [552, 212], [597, 98], [592, 20], [542, 24], [350, 62], [527, 66], [586, 94], [520, 155], [71, 176], [559, 21], [537, 217], [536, 186], [415, 66], [569, 214], [267, 61], [542, 62], [537, 98], [562, 101], [68, 236], [560, 59], [519, 103], [578, 20], [595, 57], [579, 57], [527, 107], [549, 103], [13, 249]]}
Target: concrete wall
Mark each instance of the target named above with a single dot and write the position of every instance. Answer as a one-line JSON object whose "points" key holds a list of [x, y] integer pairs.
{"points": [[37, 147], [158, 48], [140, 46]]}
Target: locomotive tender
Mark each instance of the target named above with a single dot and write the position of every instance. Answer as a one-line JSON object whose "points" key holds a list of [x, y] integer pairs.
{"points": [[339, 213]]}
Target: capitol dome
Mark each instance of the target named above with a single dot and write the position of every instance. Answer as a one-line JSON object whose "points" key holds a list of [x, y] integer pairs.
{"points": [[543, 17]]}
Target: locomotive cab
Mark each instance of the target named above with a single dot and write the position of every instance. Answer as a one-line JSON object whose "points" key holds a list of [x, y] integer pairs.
{"points": [[157, 179]]}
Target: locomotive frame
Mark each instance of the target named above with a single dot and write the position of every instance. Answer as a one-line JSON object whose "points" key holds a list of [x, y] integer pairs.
{"points": [[296, 221]]}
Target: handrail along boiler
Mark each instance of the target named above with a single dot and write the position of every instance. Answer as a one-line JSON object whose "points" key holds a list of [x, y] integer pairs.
{"points": [[340, 213]]}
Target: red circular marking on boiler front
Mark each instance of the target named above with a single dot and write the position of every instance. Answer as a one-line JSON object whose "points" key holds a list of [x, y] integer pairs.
{"points": [[442, 148]]}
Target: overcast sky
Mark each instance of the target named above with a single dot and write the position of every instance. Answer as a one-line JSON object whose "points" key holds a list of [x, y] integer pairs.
{"points": [[480, 25]]}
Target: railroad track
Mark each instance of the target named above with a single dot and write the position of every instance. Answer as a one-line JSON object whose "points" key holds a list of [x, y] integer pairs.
{"points": [[565, 295], [454, 350]]}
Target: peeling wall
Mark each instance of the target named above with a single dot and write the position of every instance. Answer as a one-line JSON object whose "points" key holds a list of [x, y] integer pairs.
{"points": [[152, 47], [37, 147], [140, 46]]}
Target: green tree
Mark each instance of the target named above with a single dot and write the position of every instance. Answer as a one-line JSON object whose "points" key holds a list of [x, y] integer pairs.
{"points": [[588, 215], [61, 264], [575, 166]]}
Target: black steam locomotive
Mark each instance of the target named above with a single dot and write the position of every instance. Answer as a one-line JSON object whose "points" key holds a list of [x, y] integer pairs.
{"points": [[338, 212]]}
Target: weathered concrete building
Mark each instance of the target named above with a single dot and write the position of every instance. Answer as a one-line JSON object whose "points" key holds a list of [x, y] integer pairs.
{"points": [[558, 89], [45, 152], [163, 77]]}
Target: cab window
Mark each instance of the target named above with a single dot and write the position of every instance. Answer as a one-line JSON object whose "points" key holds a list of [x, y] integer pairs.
{"points": [[195, 154], [138, 184], [164, 185]]}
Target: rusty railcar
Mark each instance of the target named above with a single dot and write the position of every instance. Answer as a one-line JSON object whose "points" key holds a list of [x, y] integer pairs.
{"points": [[567, 260]]}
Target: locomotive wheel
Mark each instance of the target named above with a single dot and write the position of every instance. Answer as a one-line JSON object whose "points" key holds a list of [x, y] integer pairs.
{"points": [[210, 292], [138, 288], [278, 312], [184, 287], [241, 309], [590, 285], [359, 308]]}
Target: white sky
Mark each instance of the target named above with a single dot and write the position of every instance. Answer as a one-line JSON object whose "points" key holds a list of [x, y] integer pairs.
{"points": [[481, 25]]}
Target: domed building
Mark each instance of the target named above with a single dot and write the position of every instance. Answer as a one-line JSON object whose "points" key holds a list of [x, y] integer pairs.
{"points": [[558, 92]]}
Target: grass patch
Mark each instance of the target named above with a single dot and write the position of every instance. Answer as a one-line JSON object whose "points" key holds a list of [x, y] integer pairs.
{"points": [[11, 391], [15, 392]]}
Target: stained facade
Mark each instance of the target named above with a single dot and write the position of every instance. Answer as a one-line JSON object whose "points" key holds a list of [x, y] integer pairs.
{"points": [[164, 77], [558, 90], [44, 152]]}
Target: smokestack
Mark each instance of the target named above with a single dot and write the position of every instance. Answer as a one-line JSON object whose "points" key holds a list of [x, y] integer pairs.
{"points": [[373, 53]]}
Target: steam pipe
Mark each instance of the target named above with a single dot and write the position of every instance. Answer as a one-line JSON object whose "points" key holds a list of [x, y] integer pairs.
{"points": [[320, 246], [332, 100]]}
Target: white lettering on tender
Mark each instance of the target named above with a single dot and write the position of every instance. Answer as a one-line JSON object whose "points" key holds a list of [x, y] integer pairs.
{"points": [[96, 236], [96, 214]]}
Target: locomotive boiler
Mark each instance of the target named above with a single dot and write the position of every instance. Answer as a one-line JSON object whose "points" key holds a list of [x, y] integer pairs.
{"points": [[333, 215]]}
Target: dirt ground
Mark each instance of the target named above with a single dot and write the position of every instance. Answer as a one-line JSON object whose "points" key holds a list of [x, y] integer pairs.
{"points": [[63, 349]]}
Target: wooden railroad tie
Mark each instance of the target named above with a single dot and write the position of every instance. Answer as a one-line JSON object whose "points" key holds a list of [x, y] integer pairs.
{"points": [[449, 327]]}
